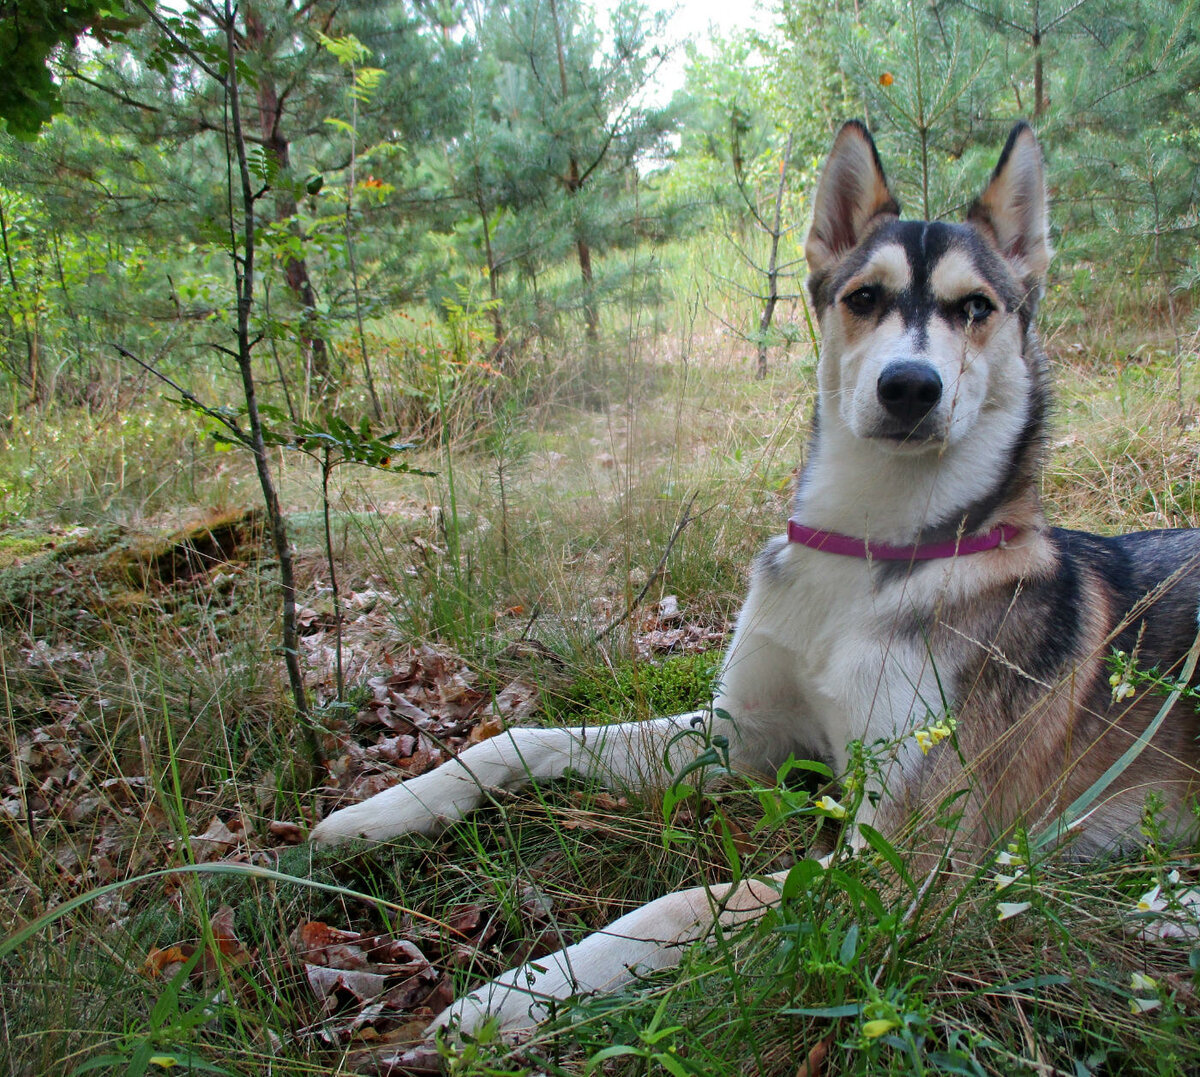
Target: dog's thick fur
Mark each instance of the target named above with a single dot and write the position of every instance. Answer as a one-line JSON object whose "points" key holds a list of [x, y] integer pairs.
{"points": [[930, 427]]}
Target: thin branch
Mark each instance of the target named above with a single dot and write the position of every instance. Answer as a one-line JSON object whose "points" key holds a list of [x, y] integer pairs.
{"points": [[178, 42], [685, 518], [112, 91], [1066, 13], [229, 424]]}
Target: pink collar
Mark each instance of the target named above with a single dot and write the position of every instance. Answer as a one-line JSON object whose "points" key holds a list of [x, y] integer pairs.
{"points": [[832, 542]]}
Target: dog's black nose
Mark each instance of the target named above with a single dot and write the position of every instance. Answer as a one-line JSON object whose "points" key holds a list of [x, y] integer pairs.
{"points": [[909, 389]]}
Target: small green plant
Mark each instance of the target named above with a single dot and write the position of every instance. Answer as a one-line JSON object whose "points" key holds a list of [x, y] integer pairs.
{"points": [[334, 443], [169, 1037], [654, 1049]]}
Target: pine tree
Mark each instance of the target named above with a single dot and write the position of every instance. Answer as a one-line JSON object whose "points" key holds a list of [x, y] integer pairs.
{"points": [[556, 144]]}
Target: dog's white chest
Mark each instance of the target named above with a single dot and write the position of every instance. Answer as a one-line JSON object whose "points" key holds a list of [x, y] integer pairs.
{"points": [[824, 647]]}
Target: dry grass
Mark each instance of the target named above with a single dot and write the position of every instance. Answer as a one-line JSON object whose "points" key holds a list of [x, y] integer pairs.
{"points": [[558, 514]]}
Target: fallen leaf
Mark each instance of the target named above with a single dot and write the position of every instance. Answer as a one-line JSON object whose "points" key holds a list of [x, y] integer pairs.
{"points": [[814, 1064], [485, 730], [517, 701], [228, 943], [319, 944], [214, 843], [361, 985], [166, 963], [289, 833]]}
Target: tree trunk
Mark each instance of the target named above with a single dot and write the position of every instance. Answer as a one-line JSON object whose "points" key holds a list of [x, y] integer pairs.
{"points": [[295, 270], [1039, 78], [764, 322], [31, 343], [574, 185], [591, 317], [498, 350], [244, 273]]}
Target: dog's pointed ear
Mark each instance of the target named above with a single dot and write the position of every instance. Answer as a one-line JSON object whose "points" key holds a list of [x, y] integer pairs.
{"points": [[851, 194], [1012, 211]]}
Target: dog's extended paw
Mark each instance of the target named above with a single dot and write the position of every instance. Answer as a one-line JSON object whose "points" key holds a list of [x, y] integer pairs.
{"points": [[395, 811], [430, 802]]}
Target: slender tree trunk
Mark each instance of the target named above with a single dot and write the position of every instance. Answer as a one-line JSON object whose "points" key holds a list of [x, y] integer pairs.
{"points": [[591, 316], [574, 185], [31, 349], [295, 270], [362, 335], [498, 351], [244, 273], [764, 322], [1039, 77], [339, 676]]}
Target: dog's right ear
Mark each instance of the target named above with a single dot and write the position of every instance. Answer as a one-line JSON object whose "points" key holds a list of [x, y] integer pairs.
{"points": [[852, 193], [1012, 211]]}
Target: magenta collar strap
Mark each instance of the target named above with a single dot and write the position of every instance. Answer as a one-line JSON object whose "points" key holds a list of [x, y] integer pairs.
{"points": [[846, 546]]}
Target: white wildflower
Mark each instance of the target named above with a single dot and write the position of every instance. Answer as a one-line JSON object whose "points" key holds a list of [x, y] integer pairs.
{"points": [[1006, 910]]}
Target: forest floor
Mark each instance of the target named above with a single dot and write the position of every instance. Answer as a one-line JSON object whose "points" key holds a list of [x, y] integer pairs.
{"points": [[577, 565]]}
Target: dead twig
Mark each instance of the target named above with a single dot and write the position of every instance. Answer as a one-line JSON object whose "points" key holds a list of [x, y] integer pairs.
{"points": [[685, 518]]}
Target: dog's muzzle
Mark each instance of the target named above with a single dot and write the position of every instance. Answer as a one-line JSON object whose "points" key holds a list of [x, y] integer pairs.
{"points": [[908, 390]]}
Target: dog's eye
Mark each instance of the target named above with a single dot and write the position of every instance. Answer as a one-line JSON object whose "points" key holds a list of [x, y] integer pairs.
{"points": [[861, 301], [975, 308]]}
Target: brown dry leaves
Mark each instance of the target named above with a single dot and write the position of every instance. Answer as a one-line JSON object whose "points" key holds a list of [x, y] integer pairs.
{"points": [[427, 706], [167, 963], [370, 993], [368, 982]]}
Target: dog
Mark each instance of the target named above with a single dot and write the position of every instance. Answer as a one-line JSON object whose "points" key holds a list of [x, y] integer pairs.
{"points": [[919, 588]]}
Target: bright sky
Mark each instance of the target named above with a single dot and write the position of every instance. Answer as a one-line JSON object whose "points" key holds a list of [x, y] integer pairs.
{"points": [[691, 19], [694, 17]]}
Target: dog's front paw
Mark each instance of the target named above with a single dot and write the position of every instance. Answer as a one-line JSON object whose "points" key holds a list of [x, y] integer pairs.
{"points": [[399, 810], [430, 802]]}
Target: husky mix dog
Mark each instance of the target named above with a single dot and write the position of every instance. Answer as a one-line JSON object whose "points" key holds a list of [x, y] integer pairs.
{"points": [[918, 580]]}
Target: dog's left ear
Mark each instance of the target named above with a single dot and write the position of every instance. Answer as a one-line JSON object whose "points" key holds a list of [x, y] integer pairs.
{"points": [[1012, 211]]}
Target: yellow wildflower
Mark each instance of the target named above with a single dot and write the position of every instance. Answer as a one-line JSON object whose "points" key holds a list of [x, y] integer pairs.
{"points": [[1139, 981], [932, 735], [831, 807], [1150, 900]]}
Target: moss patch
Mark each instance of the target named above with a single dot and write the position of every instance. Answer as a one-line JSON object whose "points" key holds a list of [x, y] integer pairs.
{"points": [[191, 551], [112, 569], [639, 689], [19, 546]]}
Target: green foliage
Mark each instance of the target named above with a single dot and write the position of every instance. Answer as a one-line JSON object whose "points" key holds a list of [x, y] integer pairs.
{"points": [[923, 78], [731, 132], [676, 685], [30, 33], [336, 442]]}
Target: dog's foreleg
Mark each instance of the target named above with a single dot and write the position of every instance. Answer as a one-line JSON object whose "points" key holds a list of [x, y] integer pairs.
{"points": [[633, 755], [651, 937]]}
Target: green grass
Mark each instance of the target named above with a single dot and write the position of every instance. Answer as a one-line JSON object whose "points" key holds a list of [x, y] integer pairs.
{"points": [[137, 711]]}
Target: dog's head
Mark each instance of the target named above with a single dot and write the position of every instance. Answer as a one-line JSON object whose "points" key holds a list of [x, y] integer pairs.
{"points": [[924, 323]]}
